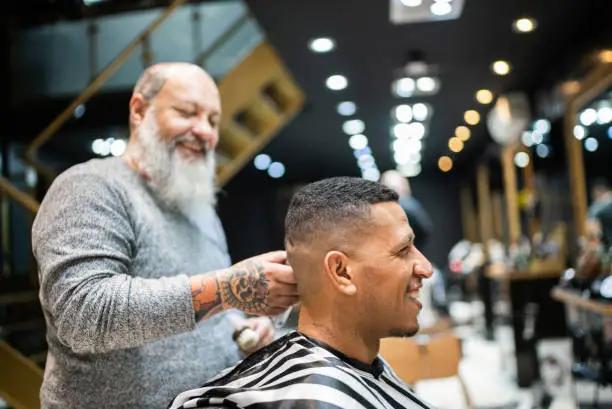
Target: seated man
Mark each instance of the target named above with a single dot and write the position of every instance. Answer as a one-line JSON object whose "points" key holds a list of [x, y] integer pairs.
{"points": [[359, 274]]}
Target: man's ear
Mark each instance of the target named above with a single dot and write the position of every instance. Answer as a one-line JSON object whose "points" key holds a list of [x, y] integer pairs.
{"points": [[339, 272], [138, 109]]}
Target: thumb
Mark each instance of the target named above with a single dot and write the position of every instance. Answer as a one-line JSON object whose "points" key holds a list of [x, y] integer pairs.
{"points": [[279, 256]]}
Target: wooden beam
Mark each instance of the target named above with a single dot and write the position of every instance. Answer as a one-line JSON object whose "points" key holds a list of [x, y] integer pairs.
{"points": [[468, 215], [510, 189], [498, 216], [20, 379], [25, 200], [484, 204]]}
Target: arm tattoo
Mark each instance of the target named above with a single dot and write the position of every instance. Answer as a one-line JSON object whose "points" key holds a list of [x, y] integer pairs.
{"points": [[206, 296], [246, 289]]}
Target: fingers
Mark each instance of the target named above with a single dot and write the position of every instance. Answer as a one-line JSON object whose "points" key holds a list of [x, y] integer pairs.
{"points": [[281, 273], [279, 256]]}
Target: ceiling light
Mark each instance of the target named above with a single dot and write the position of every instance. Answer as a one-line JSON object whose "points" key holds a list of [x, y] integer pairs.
{"points": [[366, 162], [358, 141], [484, 96], [353, 126], [445, 163], [570, 87], [463, 133], [588, 117], [591, 144], [404, 87], [542, 126], [403, 113], [501, 67], [580, 132], [524, 25], [542, 151], [410, 170], [322, 45], [420, 112], [605, 56], [407, 146], [610, 132], [455, 144], [471, 117], [100, 147], [79, 111], [262, 161], [440, 8], [426, 84], [604, 115], [361, 152], [527, 139], [347, 108], [402, 157], [521, 159], [276, 170], [417, 130], [372, 174], [401, 131], [411, 3], [537, 137], [336, 82], [117, 147]]}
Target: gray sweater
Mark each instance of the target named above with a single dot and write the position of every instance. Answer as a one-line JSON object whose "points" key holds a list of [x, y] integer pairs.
{"points": [[113, 268]]}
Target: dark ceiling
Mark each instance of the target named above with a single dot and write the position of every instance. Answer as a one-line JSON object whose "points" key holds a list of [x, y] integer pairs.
{"points": [[370, 50]]}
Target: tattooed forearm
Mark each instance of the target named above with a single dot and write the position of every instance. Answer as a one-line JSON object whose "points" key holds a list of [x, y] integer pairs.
{"points": [[205, 295], [245, 287]]}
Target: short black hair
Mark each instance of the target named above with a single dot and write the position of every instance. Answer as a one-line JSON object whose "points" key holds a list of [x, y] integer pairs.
{"points": [[600, 183], [333, 202]]}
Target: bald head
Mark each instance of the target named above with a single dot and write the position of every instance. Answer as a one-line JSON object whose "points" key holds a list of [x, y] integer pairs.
{"points": [[396, 181], [155, 77]]}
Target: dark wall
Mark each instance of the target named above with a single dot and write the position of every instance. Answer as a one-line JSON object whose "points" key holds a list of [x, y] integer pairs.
{"points": [[252, 210]]}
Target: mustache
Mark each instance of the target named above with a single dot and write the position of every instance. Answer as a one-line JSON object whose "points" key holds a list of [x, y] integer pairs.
{"points": [[192, 141]]}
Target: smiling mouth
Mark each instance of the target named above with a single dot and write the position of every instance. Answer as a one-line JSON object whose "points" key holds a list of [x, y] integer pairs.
{"points": [[414, 293], [193, 148]]}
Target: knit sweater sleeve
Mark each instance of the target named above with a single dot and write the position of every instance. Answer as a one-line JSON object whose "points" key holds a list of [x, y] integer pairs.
{"points": [[83, 240]]}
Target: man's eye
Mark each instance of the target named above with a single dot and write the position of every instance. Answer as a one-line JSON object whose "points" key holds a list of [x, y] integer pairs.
{"points": [[185, 112]]}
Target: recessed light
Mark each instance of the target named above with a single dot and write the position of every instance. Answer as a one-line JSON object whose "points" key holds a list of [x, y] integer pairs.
{"points": [[336, 82], [605, 56], [276, 170], [455, 144], [322, 45], [588, 117], [501, 67], [445, 163], [404, 87], [403, 113], [420, 112], [524, 25], [580, 132], [358, 141], [347, 108], [426, 84], [411, 3], [441, 8], [521, 159], [471, 117], [484, 96], [463, 133], [542, 151], [353, 126], [591, 144], [262, 161]]}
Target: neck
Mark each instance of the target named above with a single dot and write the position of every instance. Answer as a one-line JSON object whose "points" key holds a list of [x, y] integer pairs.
{"points": [[336, 331]]}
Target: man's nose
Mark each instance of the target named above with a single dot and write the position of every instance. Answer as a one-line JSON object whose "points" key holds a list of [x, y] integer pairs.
{"points": [[423, 267], [205, 133]]}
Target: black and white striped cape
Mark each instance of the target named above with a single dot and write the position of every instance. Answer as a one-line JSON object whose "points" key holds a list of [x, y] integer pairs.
{"points": [[298, 372]]}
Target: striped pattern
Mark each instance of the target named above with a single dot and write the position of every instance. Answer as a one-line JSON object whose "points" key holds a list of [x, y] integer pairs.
{"points": [[298, 372]]}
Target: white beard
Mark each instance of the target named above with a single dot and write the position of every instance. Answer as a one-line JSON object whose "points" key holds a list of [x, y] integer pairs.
{"points": [[188, 186]]}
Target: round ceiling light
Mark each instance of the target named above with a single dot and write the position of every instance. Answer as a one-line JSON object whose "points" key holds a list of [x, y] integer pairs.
{"points": [[353, 126], [591, 144], [347, 108], [426, 84], [471, 117], [441, 8], [322, 45], [276, 170], [336, 82], [403, 113], [420, 112], [463, 133], [411, 3], [455, 144], [445, 163], [501, 67], [262, 161], [524, 25], [404, 87], [484, 96], [542, 151], [521, 159], [358, 141]]}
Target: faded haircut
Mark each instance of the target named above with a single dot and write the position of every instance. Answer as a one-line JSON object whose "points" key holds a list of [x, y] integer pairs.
{"points": [[336, 203]]}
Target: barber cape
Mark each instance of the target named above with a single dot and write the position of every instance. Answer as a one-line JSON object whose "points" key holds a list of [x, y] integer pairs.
{"points": [[297, 371]]}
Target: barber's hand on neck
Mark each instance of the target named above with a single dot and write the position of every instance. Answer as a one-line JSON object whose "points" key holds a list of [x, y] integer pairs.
{"points": [[261, 285]]}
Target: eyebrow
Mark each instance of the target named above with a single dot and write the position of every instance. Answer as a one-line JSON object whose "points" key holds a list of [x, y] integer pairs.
{"points": [[406, 241]]}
